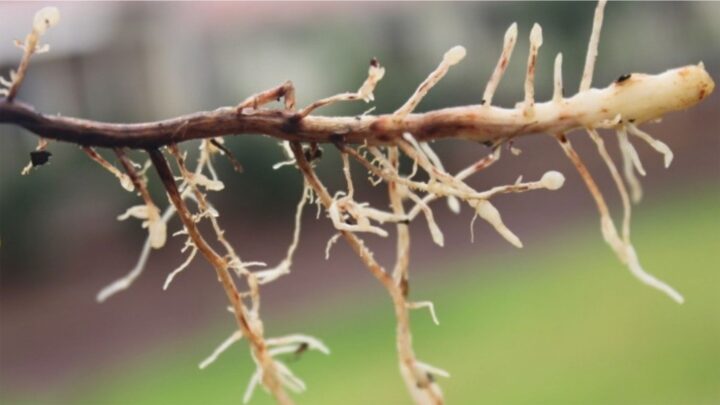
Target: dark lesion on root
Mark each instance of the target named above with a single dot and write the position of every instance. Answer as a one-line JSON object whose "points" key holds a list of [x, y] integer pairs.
{"points": [[338, 140], [291, 125], [313, 152], [623, 78], [404, 286], [39, 157]]}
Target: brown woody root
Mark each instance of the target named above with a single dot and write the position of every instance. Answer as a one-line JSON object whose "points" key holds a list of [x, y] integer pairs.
{"points": [[270, 378]]}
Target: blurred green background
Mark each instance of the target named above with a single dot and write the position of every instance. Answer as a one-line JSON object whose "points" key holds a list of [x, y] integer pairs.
{"points": [[560, 321], [552, 327]]}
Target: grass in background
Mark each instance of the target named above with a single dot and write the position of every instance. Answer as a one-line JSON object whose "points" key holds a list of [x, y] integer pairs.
{"points": [[565, 325]]}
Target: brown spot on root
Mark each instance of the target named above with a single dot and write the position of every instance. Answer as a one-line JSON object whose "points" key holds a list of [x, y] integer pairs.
{"points": [[404, 287], [302, 348], [424, 88], [503, 63], [379, 125], [623, 78], [350, 220], [374, 62], [433, 129], [533, 61], [312, 153], [482, 164], [291, 125], [338, 140]]}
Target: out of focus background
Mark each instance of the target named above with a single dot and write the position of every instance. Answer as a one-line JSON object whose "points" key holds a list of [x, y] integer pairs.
{"points": [[559, 321]]}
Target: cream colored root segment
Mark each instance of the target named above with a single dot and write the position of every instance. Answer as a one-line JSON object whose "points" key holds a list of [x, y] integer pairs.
{"points": [[157, 228], [641, 97], [44, 19], [283, 268], [124, 179], [615, 174], [236, 336], [631, 163], [451, 57], [508, 46], [126, 281], [123, 283], [557, 79], [365, 93], [622, 248], [536, 41], [593, 44]]}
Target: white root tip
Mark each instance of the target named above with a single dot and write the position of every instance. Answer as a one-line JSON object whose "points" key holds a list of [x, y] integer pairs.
{"points": [[127, 280], [659, 146], [425, 304], [46, 18], [210, 185], [510, 237], [126, 182], [552, 180], [626, 254], [489, 213], [180, 268], [436, 233], [668, 156], [158, 233], [536, 37], [220, 349], [254, 381], [136, 211], [330, 244], [511, 33], [453, 204], [646, 278], [455, 55]]}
